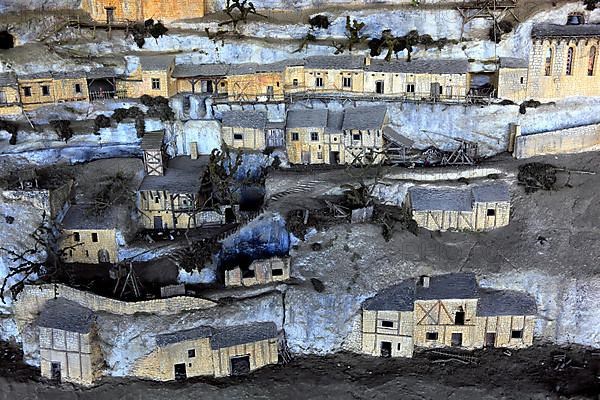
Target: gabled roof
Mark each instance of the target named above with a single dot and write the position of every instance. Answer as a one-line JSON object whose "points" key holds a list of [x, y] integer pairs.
{"points": [[182, 175], [491, 193], [66, 315], [505, 302], [334, 62], [240, 334], [511, 62], [423, 198], [199, 70], [552, 30], [420, 66], [364, 118], [183, 336], [306, 119], [152, 140], [8, 79], [245, 119], [448, 286], [156, 63], [334, 122], [399, 297], [82, 216]]}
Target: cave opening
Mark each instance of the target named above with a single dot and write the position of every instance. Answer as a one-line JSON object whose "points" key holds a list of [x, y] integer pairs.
{"points": [[7, 41]]}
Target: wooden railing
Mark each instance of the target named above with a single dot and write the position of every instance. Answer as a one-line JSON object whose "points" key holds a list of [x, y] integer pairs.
{"points": [[108, 95]]}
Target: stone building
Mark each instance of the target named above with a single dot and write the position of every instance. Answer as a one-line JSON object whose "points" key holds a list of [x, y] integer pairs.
{"points": [[115, 11], [260, 272], [87, 237], [10, 102], [362, 137], [445, 311], [207, 351], [68, 343], [153, 76], [321, 74], [305, 136], [45, 88], [244, 129], [476, 208], [563, 61], [202, 78], [256, 82], [510, 81]]}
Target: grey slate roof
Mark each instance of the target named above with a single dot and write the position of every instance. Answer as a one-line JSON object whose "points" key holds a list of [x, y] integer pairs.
{"points": [[156, 63], [182, 175], [419, 66], [394, 136], [306, 119], [240, 334], [245, 119], [552, 30], [334, 62], [364, 118], [199, 70], [82, 216], [152, 140], [399, 297], [185, 335], [334, 122], [36, 75], [491, 193], [66, 315], [511, 62], [449, 286], [103, 72], [440, 199], [8, 79], [505, 302]]}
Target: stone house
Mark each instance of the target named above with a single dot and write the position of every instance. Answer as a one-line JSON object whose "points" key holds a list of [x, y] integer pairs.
{"points": [[119, 11], [563, 61], [10, 102], [207, 351], [256, 82], [445, 311], [510, 81], [89, 238], [478, 208], [260, 272], [244, 129], [68, 343], [153, 76], [202, 78], [319, 74], [305, 136], [362, 129], [45, 88]]}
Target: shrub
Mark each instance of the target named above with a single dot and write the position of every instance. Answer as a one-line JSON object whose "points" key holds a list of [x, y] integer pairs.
{"points": [[62, 128]]}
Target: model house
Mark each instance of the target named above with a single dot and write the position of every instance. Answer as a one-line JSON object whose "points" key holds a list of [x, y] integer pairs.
{"points": [[120, 11], [10, 103], [244, 129], [259, 272]]}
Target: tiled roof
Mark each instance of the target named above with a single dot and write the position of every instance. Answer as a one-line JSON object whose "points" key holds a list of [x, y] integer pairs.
{"points": [[551, 30], [505, 302], [240, 334], [245, 119], [82, 216], [364, 118], [448, 286], [182, 175], [399, 297], [66, 315], [419, 66], [511, 62], [424, 198], [491, 193], [306, 119]]}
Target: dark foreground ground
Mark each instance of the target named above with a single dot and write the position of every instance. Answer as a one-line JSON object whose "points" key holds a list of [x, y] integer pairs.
{"points": [[541, 372]]}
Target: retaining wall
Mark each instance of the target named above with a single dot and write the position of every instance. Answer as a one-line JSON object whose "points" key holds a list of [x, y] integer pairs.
{"points": [[571, 140]]}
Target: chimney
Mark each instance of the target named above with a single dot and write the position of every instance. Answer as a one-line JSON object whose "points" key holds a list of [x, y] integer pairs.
{"points": [[425, 281], [194, 150], [367, 61]]}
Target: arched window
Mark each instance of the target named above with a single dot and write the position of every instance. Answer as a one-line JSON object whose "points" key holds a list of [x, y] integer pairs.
{"points": [[548, 63], [570, 56], [592, 61]]}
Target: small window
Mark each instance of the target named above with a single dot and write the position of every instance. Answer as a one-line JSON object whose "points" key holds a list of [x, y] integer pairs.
{"points": [[94, 237], [295, 136], [517, 334], [592, 61], [192, 353], [410, 88], [335, 139], [491, 212], [78, 88], [314, 136], [155, 84], [295, 82], [277, 83], [431, 336], [522, 80], [76, 236], [459, 318], [347, 82], [70, 252], [319, 82], [356, 136], [277, 272], [238, 136], [174, 220], [548, 63], [45, 90], [87, 253], [387, 324], [156, 200], [27, 91], [399, 347], [222, 84], [570, 59]]}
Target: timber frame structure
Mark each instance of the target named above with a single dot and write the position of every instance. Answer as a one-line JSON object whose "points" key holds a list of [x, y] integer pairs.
{"points": [[496, 10]]}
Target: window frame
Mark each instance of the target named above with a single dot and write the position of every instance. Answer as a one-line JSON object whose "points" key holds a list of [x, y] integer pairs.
{"points": [[95, 237], [295, 136], [45, 90], [155, 83], [432, 336], [314, 136], [347, 82], [319, 82]]}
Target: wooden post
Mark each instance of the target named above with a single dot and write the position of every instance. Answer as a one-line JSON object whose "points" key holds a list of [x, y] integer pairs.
{"points": [[94, 32]]}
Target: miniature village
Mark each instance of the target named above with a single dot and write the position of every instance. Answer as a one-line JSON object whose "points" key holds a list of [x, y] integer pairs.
{"points": [[212, 189]]}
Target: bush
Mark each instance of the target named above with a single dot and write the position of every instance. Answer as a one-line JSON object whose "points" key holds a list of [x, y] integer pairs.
{"points": [[158, 107], [11, 128], [62, 128], [121, 114], [101, 121], [140, 126], [319, 21]]}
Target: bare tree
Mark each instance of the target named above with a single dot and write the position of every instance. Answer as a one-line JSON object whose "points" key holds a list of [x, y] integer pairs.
{"points": [[239, 11]]}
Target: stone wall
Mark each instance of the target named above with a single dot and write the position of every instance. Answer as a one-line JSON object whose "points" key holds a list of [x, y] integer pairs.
{"points": [[442, 174], [570, 140]]}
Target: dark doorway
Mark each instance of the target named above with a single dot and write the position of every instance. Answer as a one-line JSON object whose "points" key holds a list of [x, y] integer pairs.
{"points": [[180, 372], [459, 318], [110, 15], [158, 223], [240, 365], [386, 349], [101, 88], [334, 157], [209, 87], [229, 215], [436, 90], [306, 157], [456, 340], [490, 339], [55, 371], [103, 256], [7, 41], [270, 93], [379, 88]]}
